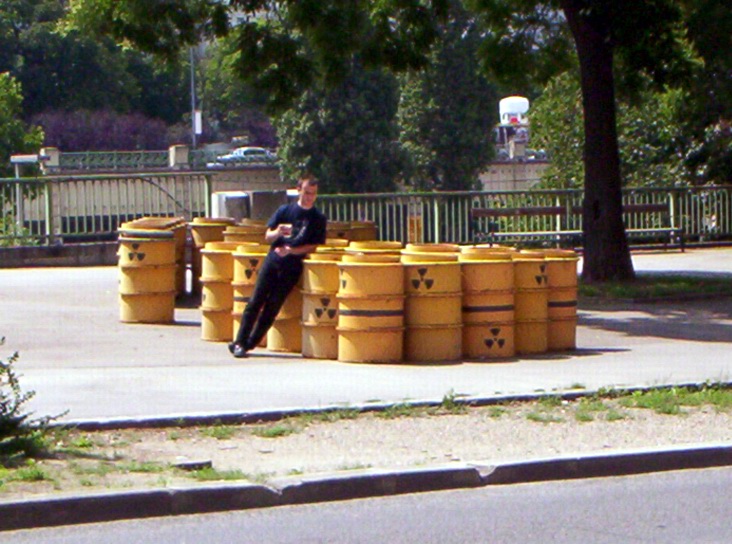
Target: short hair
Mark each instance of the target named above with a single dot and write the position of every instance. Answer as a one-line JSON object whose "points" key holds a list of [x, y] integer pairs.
{"points": [[307, 178]]}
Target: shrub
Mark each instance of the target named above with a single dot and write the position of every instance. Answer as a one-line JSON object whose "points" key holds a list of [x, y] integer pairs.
{"points": [[20, 435]]}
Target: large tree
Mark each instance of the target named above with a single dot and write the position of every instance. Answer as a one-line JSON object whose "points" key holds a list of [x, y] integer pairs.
{"points": [[15, 136]]}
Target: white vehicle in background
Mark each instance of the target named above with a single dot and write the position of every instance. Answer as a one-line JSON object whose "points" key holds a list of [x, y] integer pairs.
{"points": [[244, 155]]}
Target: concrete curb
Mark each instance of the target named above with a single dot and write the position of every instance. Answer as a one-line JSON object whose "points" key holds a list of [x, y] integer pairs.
{"points": [[95, 508], [235, 418]]}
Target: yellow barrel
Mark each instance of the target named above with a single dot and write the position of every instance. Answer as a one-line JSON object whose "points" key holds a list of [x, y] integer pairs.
{"points": [[216, 325], [531, 301], [147, 277], [217, 295], [338, 229], [489, 340], [203, 230], [487, 303], [562, 299], [489, 271], [376, 256], [320, 306], [423, 257], [363, 279], [153, 251], [319, 309], [375, 244], [434, 277], [371, 346], [370, 312], [432, 248], [433, 310], [147, 307], [178, 227], [373, 312], [292, 308], [285, 335], [488, 307], [335, 243], [433, 343], [217, 262], [245, 233], [363, 230], [248, 261], [319, 341], [242, 293], [320, 273]]}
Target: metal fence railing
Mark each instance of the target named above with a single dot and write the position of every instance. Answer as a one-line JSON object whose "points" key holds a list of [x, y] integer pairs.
{"points": [[37, 210], [113, 160], [77, 208]]}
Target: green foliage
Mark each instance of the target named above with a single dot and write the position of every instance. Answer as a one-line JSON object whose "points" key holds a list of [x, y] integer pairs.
{"points": [[345, 135], [15, 136], [447, 111], [649, 135], [19, 434]]}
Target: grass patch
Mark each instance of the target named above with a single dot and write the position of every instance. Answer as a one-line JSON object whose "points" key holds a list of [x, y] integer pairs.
{"points": [[543, 417], [211, 475], [144, 467], [274, 431], [219, 432], [654, 286]]}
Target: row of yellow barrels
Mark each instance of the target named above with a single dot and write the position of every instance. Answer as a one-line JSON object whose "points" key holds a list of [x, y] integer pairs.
{"points": [[449, 302], [424, 303], [152, 268]]}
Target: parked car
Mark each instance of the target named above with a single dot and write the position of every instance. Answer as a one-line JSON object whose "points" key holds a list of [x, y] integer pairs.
{"points": [[244, 155]]}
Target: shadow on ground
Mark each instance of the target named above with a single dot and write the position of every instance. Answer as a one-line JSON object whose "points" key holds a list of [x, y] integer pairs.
{"points": [[702, 320]]}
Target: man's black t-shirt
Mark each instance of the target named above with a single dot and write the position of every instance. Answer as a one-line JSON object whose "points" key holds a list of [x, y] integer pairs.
{"points": [[308, 226]]}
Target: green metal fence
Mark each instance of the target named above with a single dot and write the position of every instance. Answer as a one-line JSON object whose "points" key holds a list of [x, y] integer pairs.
{"points": [[78, 208], [38, 210]]}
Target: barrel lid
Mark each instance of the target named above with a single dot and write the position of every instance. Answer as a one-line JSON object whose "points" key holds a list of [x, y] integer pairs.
{"points": [[432, 248], [250, 248], [137, 234], [335, 242], [422, 257], [220, 246], [212, 221], [370, 258], [374, 244]]}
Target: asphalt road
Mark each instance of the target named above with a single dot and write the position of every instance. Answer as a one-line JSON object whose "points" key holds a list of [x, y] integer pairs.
{"points": [[675, 507]]}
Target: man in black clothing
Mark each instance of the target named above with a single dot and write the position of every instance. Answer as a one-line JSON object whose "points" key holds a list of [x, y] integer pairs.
{"points": [[294, 231]]}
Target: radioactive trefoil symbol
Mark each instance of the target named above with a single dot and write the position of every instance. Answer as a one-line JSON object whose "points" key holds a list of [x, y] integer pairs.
{"points": [[542, 277], [249, 272], [325, 310], [496, 340], [136, 254], [343, 281], [422, 280]]}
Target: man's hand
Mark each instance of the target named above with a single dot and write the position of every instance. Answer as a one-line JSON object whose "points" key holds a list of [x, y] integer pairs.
{"points": [[282, 251]]}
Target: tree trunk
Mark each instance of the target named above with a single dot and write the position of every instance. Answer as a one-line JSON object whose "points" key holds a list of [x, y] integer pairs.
{"points": [[606, 252]]}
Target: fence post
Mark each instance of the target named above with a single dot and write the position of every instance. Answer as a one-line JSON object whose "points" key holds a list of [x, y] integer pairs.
{"points": [[48, 201], [436, 210]]}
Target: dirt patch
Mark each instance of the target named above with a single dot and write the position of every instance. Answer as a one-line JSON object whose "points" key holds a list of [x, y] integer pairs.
{"points": [[126, 459]]}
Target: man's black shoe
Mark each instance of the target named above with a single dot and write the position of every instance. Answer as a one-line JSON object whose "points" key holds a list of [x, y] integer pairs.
{"points": [[237, 351]]}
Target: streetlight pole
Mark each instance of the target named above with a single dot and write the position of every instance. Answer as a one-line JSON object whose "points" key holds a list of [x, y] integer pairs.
{"points": [[193, 100]]}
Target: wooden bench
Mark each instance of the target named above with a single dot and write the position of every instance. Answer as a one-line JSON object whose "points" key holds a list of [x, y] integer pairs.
{"points": [[659, 214]]}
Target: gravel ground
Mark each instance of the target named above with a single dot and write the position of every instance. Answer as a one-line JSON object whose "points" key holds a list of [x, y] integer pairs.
{"points": [[114, 460]]}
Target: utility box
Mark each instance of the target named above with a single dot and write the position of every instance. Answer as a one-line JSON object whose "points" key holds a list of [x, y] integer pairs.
{"points": [[234, 204], [262, 204]]}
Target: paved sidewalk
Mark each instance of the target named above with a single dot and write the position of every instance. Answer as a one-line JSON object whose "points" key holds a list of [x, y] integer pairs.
{"points": [[78, 357]]}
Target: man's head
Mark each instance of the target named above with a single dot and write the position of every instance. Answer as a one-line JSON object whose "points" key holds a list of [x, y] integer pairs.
{"points": [[307, 188]]}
